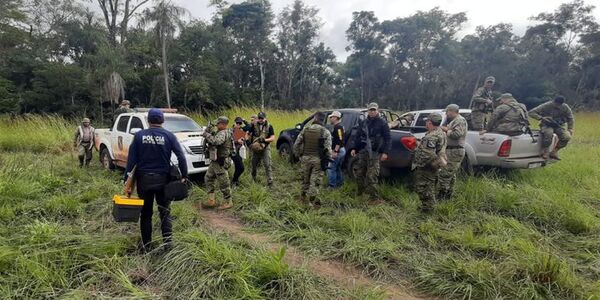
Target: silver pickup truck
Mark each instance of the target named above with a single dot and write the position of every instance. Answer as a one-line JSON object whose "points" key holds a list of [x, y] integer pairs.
{"points": [[113, 143], [492, 149]]}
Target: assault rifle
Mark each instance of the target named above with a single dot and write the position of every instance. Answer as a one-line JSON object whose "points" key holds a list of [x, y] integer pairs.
{"points": [[323, 155], [368, 145], [551, 122]]}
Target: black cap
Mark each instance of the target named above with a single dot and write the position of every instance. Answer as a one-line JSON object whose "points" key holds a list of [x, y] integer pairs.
{"points": [[262, 115], [238, 120], [559, 99]]}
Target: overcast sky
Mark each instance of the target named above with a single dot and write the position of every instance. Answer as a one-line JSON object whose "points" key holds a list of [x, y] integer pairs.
{"points": [[337, 14]]}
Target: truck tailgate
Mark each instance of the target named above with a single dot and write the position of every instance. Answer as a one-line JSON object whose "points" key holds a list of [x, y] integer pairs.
{"points": [[524, 146]]}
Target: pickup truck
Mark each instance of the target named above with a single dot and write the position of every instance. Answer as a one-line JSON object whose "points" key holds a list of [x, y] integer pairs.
{"points": [[113, 143], [491, 149], [403, 142]]}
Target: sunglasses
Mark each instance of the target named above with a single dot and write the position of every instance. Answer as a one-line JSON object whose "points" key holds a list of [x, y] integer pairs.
{"points": [[239, 123]]}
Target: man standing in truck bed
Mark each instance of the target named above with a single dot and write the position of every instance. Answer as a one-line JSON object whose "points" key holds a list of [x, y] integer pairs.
{"points": [[371, 142], [482, 103], [552, 116]]}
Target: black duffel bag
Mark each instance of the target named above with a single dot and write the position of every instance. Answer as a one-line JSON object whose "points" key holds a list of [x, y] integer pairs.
{"points": [[176, 189]]}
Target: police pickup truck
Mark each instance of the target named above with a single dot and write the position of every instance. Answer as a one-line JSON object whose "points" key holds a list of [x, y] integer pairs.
{"points": [[400, 156], [113, 143], [491, 149]]}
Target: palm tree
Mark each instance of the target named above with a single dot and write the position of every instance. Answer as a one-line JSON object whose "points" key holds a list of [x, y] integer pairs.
{"points": [[165, 19]]}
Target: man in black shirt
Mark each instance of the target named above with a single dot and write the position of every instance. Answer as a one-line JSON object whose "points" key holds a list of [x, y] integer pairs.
{"points": [[371, 143], [334, 173], [260, 135]]}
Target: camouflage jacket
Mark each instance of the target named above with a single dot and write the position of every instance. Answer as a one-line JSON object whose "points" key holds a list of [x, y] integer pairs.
{"points": [[325, 135], [510, 117], [220, 144], [431, 148], [457, 131], [479, 99], [559, 113]]}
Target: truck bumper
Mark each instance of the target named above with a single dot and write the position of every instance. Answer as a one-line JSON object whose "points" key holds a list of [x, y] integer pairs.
{"points": [[196, 164], [523, 163]]}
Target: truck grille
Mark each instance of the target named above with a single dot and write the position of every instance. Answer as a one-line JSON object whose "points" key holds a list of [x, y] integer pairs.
{"points": [[197, 149]]}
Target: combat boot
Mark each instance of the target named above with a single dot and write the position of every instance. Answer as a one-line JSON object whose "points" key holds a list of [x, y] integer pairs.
{"points": [[226, 205], [545, 154], [554, 153], [302, 199], [314, 202], [211, 203]]}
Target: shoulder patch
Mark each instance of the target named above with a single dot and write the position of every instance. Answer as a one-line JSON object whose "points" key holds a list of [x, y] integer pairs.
{"points": [[431, 143]]}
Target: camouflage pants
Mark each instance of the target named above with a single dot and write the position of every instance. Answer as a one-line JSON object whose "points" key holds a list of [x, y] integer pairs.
{"points": [[312, 175], [447, 175], [547, 133], [425, 186], [265, 157], [84, 153], [477, 120], [367, 173], [218, 175]]}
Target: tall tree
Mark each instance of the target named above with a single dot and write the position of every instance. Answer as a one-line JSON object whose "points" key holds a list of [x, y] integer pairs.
{"points": [[165, 19], [113, 10]]}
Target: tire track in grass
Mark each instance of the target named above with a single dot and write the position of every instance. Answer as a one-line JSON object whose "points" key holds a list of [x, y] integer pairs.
{"points": [[346, 276]]}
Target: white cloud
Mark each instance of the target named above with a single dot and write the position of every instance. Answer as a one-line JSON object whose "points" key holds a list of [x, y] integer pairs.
{"points": [[337, 14]]}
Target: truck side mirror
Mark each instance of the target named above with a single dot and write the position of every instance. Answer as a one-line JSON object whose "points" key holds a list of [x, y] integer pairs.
{"points": [[299, 126], [134, 130]]}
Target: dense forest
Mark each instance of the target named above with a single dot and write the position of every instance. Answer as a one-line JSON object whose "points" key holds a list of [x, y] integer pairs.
{"points": [[75, 57]]}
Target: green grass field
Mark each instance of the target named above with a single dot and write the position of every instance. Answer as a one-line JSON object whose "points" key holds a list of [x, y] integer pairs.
{"points": [[532, 234]]}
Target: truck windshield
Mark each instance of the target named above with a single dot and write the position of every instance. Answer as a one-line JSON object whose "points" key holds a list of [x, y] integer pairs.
{"points": [[180, 124]]}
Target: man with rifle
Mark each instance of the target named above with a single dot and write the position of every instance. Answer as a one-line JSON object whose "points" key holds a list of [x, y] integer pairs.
{"points": [[552, 116], [220, 148], [482, 103], [313, 146], [509, 118], [371, 142]]}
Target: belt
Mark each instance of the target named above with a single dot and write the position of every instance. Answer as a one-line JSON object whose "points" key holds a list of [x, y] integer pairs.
{"points": [[455, 147]]}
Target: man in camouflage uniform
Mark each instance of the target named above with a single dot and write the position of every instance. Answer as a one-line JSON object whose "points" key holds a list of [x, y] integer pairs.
{"points": [[403, 121], [456, 132], [124, 107], [429, 157], [260, 135], [552, 116], [313, 146], [84, 142], [510, 117], [220, 145], [482, 103], [371, 142]]}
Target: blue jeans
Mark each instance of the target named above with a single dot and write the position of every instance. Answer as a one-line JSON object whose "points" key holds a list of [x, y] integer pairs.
{"points": [[334, 173]]}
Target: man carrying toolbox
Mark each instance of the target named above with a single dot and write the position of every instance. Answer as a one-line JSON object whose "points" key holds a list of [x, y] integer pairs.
{"points": [[150, 154]]}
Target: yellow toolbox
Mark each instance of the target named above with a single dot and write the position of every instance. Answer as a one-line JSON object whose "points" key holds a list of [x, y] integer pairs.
{"points": [[127, 209]]}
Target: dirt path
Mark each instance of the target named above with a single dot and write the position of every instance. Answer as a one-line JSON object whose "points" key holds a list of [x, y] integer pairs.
{"points": [[344, 275]]}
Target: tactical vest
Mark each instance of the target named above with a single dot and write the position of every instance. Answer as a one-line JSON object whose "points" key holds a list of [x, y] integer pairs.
{"points": [[224, 150], [311, 140], [260, 131], [515, 106]]}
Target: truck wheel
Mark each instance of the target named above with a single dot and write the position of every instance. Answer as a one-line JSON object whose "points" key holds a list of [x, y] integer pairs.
{"points": [[285, 152], [106, 160], [351, 165], [466, 167]]}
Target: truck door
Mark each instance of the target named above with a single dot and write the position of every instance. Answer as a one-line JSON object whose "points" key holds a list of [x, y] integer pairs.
{"points": [[135, 125], [117, 142]]}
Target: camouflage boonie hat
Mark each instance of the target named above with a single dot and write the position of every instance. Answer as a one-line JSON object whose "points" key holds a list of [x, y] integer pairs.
{"points": [[222, 119], [373, 105], [490, 79], [85, 120], [125, 102], [452, 107], [505, 96], [434, 118]]}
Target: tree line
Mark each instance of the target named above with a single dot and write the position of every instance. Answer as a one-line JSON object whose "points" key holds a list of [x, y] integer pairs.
{"points": [[81, 57]]}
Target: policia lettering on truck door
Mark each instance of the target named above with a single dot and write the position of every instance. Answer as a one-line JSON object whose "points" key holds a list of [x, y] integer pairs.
{"points": [[482, 103], [313, 146], [220, 149], [150, 152], [260, 135], [456, 133], [552, 116], [371, 142]]}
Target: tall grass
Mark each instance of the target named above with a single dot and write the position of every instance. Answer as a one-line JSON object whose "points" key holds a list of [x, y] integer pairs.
{"points": [[36, 133]]}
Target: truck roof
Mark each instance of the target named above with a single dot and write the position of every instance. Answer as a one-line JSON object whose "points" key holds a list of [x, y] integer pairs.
{"points": [[439, 110]]}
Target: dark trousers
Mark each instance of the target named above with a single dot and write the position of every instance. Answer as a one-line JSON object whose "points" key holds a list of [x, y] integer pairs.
{"points": [[238, 163], [151, 187]]}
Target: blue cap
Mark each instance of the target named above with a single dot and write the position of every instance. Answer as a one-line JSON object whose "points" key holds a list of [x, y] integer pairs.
{"points": [[156, 116]]}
